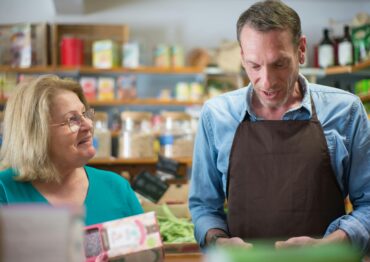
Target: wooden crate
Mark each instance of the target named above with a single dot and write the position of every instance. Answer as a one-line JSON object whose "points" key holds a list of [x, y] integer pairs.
{"points": [[88, 33], [39, 42]]}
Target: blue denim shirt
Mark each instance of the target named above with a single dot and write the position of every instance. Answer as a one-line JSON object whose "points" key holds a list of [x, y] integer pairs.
{"points": [[347, 131]]}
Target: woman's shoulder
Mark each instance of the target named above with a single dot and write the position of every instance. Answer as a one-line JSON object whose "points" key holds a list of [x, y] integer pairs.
{"points": [[7, 175], [104, 176]]}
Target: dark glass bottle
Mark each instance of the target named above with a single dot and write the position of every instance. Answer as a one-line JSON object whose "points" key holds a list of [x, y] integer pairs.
{"points": [[326, 50], [345, 48]]}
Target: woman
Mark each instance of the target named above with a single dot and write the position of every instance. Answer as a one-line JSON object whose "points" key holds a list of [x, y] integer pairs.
{"points": [[48, 133]]}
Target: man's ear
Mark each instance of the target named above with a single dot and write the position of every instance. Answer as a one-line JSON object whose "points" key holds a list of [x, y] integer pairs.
{"points": [[302, 45], [242, 57]]}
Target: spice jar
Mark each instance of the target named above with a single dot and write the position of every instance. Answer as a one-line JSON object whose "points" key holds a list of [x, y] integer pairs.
{"points": [[137, 137], [177, 137], [102, 136]]}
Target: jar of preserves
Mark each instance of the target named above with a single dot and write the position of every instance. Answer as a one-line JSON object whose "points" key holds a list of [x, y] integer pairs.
{"points": [[102, 136], [137, 138], [177, 136]]}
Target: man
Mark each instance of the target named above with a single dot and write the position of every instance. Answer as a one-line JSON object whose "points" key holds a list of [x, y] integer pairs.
{"points": [[282, 151]]}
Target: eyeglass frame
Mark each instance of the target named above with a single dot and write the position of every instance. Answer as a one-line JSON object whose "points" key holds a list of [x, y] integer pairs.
{"points": [[87, 115]]}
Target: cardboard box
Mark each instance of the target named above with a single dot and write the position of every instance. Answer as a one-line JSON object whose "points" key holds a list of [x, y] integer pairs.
{"points": [[135, 238], [105, 54]]}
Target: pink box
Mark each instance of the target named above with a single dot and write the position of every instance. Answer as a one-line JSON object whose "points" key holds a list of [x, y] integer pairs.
{"points": [[135, 238]]}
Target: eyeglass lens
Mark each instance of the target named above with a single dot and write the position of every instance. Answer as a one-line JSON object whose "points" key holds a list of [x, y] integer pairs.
{"points": [[75, 121]]}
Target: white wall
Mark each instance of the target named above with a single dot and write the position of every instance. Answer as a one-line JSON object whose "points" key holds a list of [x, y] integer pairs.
{"points": [[193, 23]]}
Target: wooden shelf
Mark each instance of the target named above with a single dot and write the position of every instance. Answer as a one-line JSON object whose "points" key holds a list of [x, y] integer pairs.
{"points": [[335, 70], [365, 98], [27, 70], [135, 161], [92, 70], [144, 101]]}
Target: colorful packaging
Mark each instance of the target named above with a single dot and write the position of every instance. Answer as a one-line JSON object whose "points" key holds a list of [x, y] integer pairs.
{"points": [[105, 88], [89, 86], [131, 55], [162, 56], [177, 56], [361, 42], [126, 87], [105, 54], [135, 238], [72, 51], [21, 46]]}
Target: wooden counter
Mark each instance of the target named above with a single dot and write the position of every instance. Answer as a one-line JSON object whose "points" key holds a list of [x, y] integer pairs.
{"points": [[184, 257]]}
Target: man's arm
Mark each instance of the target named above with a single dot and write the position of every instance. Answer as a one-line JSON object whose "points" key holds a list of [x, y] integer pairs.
{"points": [[357, 174], [206, 196]]}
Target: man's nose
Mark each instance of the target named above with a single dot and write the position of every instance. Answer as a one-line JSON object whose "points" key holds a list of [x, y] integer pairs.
{"points": [[267, 78]]}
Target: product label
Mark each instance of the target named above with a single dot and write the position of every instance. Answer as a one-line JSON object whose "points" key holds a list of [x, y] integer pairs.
{"points": [[326, 55], [345, 56]]}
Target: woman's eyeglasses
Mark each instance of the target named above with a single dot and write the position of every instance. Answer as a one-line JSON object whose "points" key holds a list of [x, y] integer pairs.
{"points": [[74, 122]]}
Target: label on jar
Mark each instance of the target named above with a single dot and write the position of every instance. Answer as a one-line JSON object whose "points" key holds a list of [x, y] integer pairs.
{"points": [[326, 55], [345, 56]]}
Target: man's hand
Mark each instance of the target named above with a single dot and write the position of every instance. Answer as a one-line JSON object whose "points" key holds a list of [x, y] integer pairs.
{"points": [[297, 242], [234, 241], [223, 239], [338, 236]]}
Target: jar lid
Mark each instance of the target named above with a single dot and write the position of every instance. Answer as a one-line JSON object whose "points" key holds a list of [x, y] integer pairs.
{"points": [[102, 116], [136, 115], [176, 115]]}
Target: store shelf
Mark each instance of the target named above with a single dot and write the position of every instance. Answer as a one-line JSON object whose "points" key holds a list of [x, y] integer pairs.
{"points": [[135, 161], [135, 166], [335, 70], [93, 70], [143, 70], [27, 70], [144, 101]]}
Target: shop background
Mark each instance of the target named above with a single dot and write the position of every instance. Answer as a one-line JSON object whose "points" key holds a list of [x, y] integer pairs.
{"points": [[191, 23]]}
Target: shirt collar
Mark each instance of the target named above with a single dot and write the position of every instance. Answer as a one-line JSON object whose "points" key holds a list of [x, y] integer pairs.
{"points": [[305, 107]]}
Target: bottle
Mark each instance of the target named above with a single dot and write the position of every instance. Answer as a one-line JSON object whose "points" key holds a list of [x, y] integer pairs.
{"points": [[102, 136], [326, 51], [176, 137], [345, 48], [137, 138]]}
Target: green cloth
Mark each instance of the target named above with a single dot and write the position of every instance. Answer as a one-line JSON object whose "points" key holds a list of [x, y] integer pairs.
{"points": [[109, 195]]}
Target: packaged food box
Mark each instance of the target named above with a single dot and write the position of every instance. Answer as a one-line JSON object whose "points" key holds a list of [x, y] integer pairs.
{"points": [[89, 86], [105, 54], [135, 238], [105, 88], [131, 55], [126, 87]]}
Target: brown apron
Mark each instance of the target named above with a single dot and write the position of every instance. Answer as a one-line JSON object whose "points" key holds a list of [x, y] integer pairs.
{"points": [[280, 180]]}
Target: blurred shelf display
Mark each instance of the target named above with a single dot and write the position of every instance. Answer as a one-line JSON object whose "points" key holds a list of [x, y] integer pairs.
{"points": [[140, 160], [93, 70], [77, 50], [365, 65]]}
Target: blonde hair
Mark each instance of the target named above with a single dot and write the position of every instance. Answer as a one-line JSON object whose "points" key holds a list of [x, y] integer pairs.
{"points": [[26, 127]]}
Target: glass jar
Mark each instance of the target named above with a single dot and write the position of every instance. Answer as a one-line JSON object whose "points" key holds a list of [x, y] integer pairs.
{"points": [[102, 136], [137, 138], [177, 136]]}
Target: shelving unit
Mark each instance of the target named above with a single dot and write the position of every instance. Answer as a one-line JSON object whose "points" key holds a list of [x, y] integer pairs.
{"points": [[92, 70], [335, 70], [137, 165], [144, 102]]}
